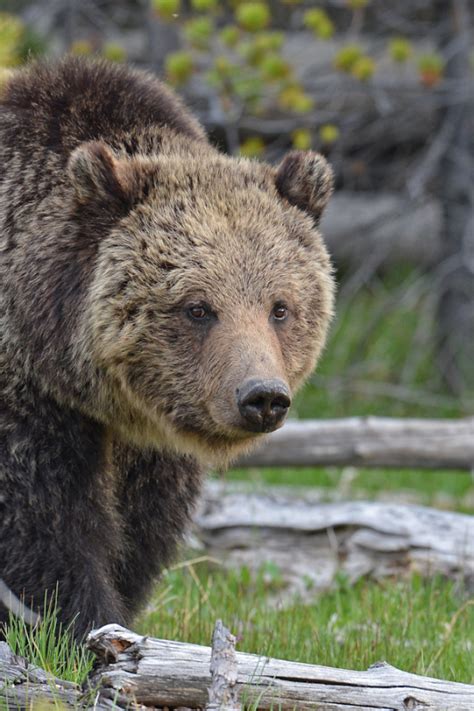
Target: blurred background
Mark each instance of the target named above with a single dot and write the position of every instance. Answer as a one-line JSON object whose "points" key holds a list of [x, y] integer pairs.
{"points": [[384, 90]]}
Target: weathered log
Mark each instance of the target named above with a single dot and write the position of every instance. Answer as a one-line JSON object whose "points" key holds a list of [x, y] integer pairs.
{"points": [[23, 684], [369, 442], [311, 542], [156, 672]]}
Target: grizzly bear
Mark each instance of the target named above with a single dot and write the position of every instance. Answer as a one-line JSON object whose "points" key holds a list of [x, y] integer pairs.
{"points": [[160, 303]]}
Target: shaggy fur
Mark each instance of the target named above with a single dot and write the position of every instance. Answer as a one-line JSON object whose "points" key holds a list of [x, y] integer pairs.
{"points": [[116, 217]]}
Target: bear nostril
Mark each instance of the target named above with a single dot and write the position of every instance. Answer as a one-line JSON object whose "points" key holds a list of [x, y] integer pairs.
{"points": [[281, 401], [259, 402], [263, 404]]}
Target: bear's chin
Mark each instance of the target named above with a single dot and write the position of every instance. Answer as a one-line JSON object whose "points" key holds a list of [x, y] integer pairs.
{"points": [[211, 449], [219, 451], [215, 451]]}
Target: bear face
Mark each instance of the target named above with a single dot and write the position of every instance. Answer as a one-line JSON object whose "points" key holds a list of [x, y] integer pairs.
{"points": [[211, 297]]}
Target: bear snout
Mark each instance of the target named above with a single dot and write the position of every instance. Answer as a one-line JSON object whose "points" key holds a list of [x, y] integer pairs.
{"points": [[263, 404]]}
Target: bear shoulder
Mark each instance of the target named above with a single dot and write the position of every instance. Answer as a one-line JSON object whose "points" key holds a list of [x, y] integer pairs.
{"points": [[62, 104]]}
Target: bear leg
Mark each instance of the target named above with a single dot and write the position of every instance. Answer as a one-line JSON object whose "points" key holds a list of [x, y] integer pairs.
{"points": [[156, 500], [58, 533]]}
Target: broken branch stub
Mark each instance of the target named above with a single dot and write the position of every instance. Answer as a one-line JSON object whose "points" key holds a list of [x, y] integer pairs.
{"points": [[223, 693]]}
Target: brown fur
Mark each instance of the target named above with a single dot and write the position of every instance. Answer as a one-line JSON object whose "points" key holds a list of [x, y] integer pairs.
{"points": [[115, 215]]}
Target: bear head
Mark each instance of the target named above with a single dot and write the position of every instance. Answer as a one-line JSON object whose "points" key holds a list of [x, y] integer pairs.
{"points": [[212, 294]]}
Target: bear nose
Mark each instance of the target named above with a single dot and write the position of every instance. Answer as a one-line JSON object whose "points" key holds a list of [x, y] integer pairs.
{"points": [[263, 404]]}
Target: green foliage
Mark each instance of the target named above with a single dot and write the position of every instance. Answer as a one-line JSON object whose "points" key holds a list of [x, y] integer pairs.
{"points": [[30, 45], [350, 59], [400, 49], [274, 67], [319, 22], [328, 133], [166, 9], [253, 16], [246, 63], [293, 98], [252, 147], [198, 32], [302, 139], [363, 68], [270, 41], [205, 5], [114, 52], [347, 57], [229, 35], [18, 42], [179, 67], [11, 30]]}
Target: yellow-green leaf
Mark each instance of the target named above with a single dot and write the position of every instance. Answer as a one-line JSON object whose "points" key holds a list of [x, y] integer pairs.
{"points": [[328, 133], [114, 52], [363, 69], [253, 16], [302, 139], [252, 147], [166, 9], [400, 49], [179, 67]]}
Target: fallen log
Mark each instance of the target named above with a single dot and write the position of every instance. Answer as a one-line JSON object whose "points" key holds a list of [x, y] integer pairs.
{"points": [[368, 442], [310, 541], [154, 672], [23, 684]]}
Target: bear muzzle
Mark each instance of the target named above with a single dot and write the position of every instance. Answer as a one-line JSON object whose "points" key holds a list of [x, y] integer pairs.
{"points": [[263, 404]]}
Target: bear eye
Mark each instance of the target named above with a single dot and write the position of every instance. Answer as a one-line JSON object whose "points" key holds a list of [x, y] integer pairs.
{"points": [[280, 311], [198, 312]]}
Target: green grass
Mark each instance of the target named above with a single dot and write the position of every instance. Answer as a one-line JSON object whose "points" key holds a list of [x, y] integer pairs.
{"points": [[422, 626], [381, 356], [49, 645]]}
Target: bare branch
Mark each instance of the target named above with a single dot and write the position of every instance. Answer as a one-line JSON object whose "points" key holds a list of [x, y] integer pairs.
{"points": [[16, 606]]}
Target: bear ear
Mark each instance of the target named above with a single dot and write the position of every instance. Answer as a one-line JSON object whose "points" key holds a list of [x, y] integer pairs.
{"points": [[306, 180], [97, 175]]}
